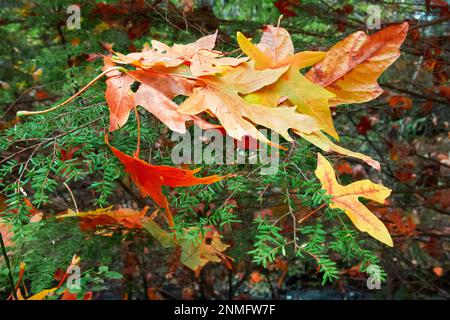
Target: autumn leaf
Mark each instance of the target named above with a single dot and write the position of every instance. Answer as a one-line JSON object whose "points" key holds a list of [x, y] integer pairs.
{"points": [[286, 7], [195, 253], [165, 56], [351, 67], [346, 199], [125, 217], [150, 178], [220, 96], [199, 55], [155, 93], [276, 50], [119, 97]]}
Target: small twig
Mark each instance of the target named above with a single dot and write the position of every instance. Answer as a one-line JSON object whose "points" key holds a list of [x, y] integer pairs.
{"points": [[8, 266], [72, 196], [311, 213], [30, 113], [138, 145]]}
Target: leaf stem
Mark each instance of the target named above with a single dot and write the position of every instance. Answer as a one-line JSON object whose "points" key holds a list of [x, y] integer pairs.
{"points": [[138, 121], [30, 113]]}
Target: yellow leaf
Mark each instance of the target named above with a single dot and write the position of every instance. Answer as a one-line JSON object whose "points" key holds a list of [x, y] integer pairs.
{"points": [[309, 98], [346, 199], [261, 60], [38, 296], [220, 96]]}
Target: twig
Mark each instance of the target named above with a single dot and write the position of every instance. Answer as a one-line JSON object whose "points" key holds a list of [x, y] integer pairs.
{"points": [[72, 196], [8, 266]]}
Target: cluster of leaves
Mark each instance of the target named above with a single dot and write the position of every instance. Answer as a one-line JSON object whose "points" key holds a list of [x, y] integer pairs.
{"points": [[271, 85]]}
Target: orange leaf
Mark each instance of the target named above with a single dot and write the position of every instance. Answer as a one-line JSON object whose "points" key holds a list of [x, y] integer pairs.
{"points": [[352, 66], [6, 232], [346, 199], [438, 271], [119, 97], [255, 277], [126, 217], [155, 94]]}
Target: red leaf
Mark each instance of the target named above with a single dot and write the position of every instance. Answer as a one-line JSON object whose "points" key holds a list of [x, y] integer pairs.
{"points": [[150, 178]]}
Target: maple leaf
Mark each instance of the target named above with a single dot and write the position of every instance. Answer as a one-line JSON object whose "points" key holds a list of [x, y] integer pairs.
{"points": [[126, 217], [276, 50], [298, 90], [151, 178], [346, 199], [194, 253], [351, 67], [220, 96]]}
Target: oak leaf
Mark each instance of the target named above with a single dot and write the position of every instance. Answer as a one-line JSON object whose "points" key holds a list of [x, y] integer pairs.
{"points": [[346, 199]]}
